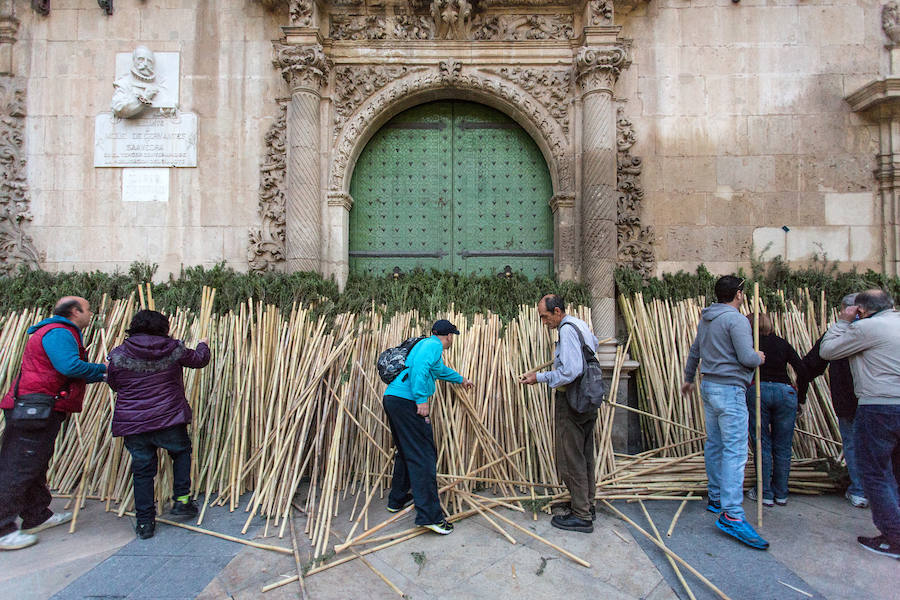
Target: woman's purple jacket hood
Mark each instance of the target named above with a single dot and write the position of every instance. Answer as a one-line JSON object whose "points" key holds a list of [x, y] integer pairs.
{"points": [[146, 371]]}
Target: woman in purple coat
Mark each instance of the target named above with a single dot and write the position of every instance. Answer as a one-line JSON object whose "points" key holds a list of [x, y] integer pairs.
{"points": [[152, 412]]}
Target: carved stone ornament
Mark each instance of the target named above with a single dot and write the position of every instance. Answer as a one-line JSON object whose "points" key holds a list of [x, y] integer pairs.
{"points": [[302, 66], [16, 247], [635, 243], [450, 74], [452, 18], [890, 21], [550, 87], [451, 24], [267, 241], [301, 13], [601, 12], [599, 68], [524, 27], [354, 83]]}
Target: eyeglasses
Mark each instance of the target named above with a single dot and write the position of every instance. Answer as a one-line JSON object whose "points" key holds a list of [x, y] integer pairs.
{"points": [[741, 285]]}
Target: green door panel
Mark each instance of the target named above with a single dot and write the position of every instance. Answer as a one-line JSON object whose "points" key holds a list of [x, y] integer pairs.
{"points": [[455, 186]]}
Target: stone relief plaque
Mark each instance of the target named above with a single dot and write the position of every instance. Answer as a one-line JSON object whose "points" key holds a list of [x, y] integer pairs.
{"points": [[150, 78], [156, 141], [145, 185]]}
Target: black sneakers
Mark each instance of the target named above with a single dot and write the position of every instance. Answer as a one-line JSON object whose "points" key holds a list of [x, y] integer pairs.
{"points": [[407, 501], [445, 527], [879, 545], [571, 522], [184, 509], [145, 530]]}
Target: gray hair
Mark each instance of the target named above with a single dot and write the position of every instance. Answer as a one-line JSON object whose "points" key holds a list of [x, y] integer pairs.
{"points": [[874, 301], [849, 300]]}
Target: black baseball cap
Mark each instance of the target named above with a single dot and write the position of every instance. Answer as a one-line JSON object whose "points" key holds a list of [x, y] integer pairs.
{"points": [[443, 327]]}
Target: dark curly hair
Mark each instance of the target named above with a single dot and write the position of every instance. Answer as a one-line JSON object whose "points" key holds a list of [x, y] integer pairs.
{"points": [[149, 322]]}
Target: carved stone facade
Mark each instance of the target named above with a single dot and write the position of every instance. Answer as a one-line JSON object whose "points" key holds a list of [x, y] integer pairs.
{"points": [[635, 242], [16, 247], [266, 251], [381, 58]]}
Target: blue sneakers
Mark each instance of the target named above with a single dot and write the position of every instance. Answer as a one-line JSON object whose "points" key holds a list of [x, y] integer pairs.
{"points": [[713, 506], [742, 531]]}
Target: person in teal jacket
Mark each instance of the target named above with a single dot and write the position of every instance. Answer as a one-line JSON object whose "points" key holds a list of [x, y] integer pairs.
{"points": [[406, 404]]}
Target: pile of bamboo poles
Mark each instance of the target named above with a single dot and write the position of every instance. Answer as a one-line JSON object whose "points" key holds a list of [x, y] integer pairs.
{"points": [[289, 411]]}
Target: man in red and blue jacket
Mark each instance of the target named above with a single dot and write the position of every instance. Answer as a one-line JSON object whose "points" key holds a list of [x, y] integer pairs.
{"points": [[55, 363]]}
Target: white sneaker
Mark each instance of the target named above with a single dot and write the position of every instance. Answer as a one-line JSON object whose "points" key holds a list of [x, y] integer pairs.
{"points": [[17, 540], [857, 501], [54, 520], [767, 502]]}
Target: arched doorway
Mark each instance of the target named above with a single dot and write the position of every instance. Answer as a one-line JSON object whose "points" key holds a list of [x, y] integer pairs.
{"points": [[454, 186]]}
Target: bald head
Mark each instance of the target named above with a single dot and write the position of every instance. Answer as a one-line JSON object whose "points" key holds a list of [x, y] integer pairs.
{"points": [[75, 309]]}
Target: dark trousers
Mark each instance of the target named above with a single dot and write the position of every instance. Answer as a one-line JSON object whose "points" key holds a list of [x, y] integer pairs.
{"points": [[415, 465], [575, 459], [142, 447], [877, 431], [24, 458]]}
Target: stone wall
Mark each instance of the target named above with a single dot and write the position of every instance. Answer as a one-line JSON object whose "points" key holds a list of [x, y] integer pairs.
{"points": [[741, 122], [227, 79]]}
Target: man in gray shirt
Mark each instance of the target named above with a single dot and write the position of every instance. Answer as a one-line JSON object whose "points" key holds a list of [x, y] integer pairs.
{"points": [[724, 350], [574, 443], [872, 343]]}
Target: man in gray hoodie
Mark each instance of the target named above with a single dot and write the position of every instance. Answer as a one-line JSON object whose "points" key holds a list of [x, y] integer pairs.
{"points": [[724, 350]]}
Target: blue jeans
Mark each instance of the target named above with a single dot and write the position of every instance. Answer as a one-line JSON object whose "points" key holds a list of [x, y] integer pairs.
{"points": [[848, 439], [142, 447], [726, 444], [778, 407], [877, 431]]}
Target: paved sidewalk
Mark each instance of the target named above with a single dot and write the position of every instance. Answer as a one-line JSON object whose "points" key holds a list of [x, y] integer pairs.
{"points": [[813, 549]]}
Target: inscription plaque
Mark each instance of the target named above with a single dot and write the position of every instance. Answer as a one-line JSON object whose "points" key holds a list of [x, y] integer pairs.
{"points": [[145, 185], [154, 141]]}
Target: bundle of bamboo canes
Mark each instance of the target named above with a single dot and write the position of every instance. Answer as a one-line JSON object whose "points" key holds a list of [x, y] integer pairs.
{"points": [[289, 410]]}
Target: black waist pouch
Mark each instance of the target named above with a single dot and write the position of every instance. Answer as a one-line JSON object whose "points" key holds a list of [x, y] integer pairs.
{"points": [[32, 411]]}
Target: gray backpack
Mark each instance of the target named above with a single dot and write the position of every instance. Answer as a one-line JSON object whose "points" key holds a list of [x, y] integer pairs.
{"points": [[586, 393], [392, 361]]}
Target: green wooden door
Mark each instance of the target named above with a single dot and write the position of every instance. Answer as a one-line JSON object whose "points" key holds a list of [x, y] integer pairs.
{"points": [[455, 186]]}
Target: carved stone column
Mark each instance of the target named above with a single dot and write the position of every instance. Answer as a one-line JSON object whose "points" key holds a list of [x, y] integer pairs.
{"points": [[565, 242], [9, 28], [337, 262], [306, 69], [879, 101], [597, 69]]}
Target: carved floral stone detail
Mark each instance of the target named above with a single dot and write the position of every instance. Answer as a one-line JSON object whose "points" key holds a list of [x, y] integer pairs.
{"points": [[302, 66], [359, 27], [599, 68], [452, 18], [412, 27], [302, 13], [601, 12], [550, 87], [16, 247], [450, 74], [353, 84], [890, 21], [267, 241], [477, 28], [635, 243]]}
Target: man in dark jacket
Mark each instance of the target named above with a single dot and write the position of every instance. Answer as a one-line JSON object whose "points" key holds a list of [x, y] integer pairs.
{"points": [[152, 411], [54, 363], [840, 382]]}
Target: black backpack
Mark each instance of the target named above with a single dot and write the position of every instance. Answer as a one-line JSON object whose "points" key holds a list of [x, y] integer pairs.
{"points": [[586, 393], [393, 360]]}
